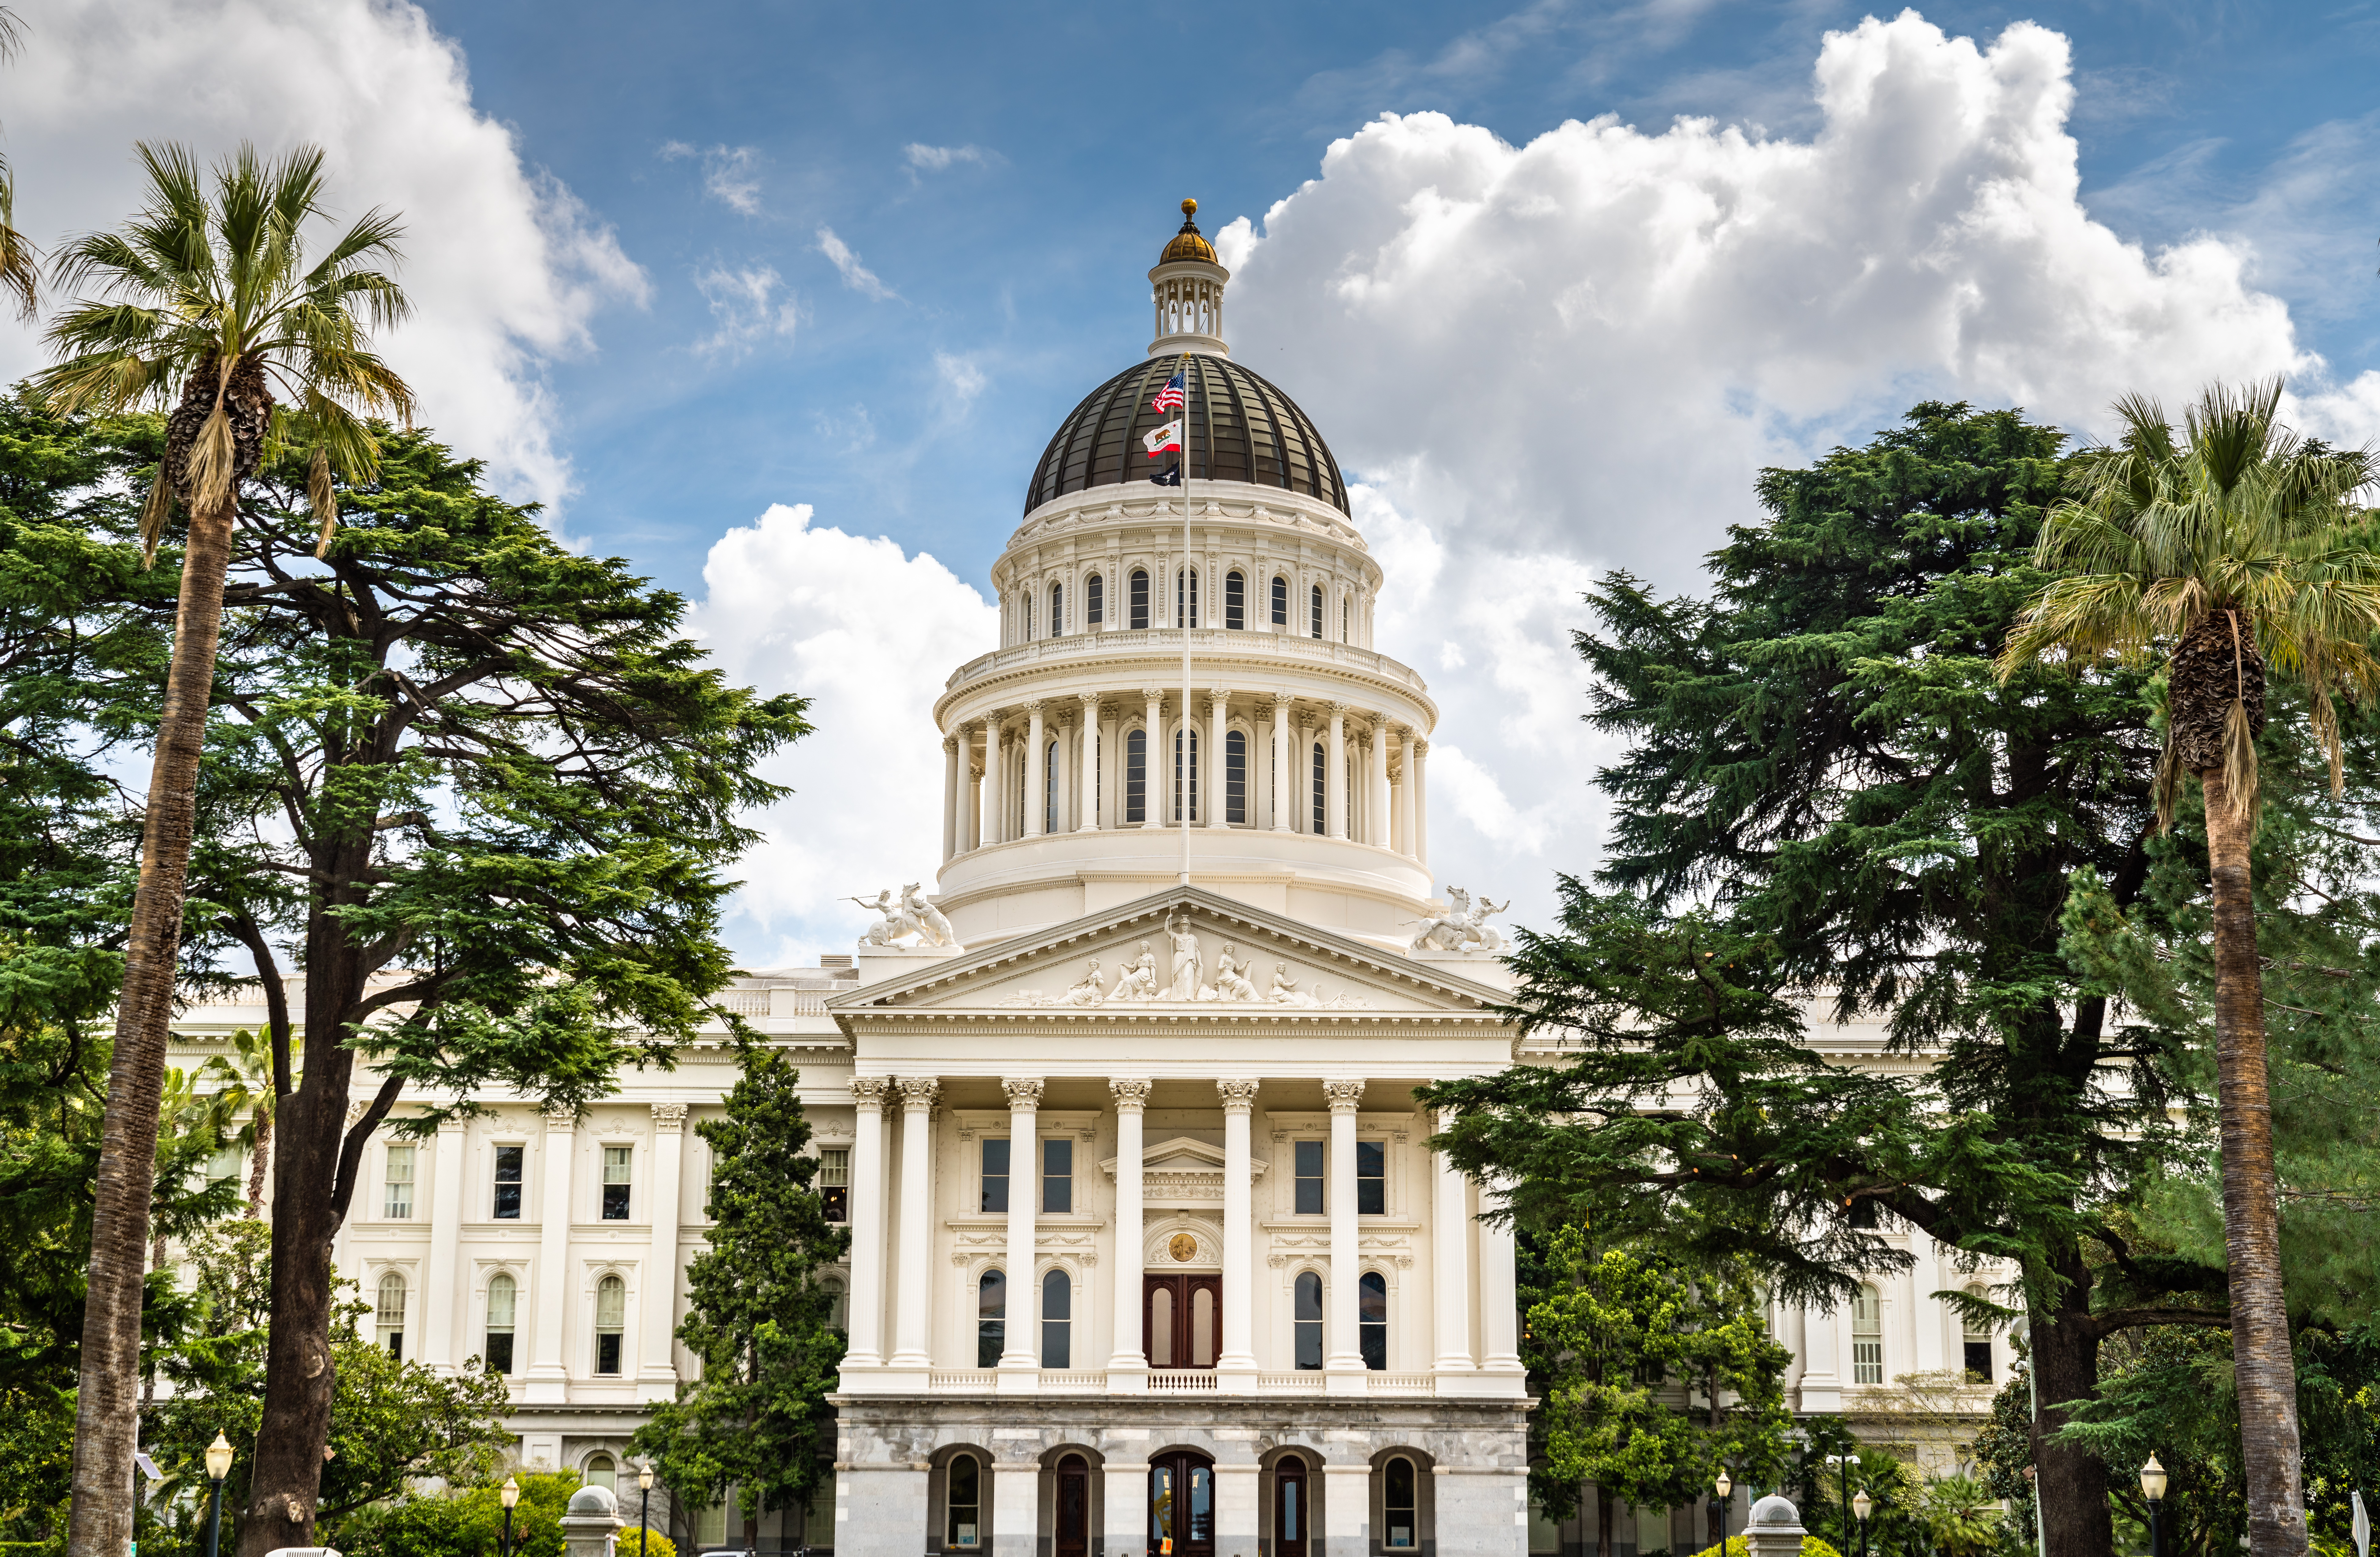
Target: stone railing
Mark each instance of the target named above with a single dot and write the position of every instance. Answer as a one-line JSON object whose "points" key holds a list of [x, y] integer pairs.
{"points": [[1209, 644]]}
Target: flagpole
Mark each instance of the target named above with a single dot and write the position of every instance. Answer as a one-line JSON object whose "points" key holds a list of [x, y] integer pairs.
{"points": [[1183, 769]]}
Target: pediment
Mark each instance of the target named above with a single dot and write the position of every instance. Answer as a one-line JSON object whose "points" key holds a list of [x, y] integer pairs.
{"points": [[1180, 956], [1182, 1172]]}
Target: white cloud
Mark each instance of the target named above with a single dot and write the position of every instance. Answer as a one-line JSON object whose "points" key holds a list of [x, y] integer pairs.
{"points": [[857, 276], [731, 174], [1552, 358], [745, 306], [868, 633], [961, 380], [506, 269], [938, 159]]}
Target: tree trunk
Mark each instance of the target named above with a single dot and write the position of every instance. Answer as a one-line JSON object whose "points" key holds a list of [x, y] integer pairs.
{"points": [[2069, 1481], [106, 1425], [1602, 1522], [259, 1157], [2266, 1370]]}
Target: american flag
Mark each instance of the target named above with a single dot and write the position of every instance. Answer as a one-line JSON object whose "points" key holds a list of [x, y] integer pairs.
{"points": [[1169, 397]]}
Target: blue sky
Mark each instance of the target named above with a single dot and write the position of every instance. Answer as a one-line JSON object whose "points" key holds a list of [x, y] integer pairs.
{"points": [[781, 302]]}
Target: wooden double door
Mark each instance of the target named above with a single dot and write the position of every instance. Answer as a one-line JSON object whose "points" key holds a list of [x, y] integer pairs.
{"points": [[1181, 1320], [1181, 1506], [1073, 1505]]}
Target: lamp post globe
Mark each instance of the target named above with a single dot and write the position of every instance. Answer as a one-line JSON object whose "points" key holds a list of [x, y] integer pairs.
{"points": [[1863, 1505], [2153, 1482], [645, 1510], [218, 1466], [1722, 1486], [508, 1495]]}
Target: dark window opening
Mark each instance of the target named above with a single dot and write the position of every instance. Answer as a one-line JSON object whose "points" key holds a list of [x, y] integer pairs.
{"points": [[995, 1175], [1192, 574], [1371, 1178], [1178, 775], [1309, 1178], [1057, 1320], [1315, 600], [1235, 778], [1095, 600], [1305, 1322], [991, 1318], [1321, 794], [1057, 1177], [834, 1182], [1135, 776], [1979, 1361], [1280, 601], [509, 1183], [1235, 602], [1139, 599], [1372, 1320]]}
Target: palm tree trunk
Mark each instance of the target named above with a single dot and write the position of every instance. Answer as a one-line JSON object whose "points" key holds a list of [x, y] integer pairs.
{"points": [[107, 1425], [259, 1157], [2266, 1372]]}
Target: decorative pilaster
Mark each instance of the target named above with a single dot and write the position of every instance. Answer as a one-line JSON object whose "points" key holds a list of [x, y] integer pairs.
{"points": [[950, 797], [1128, 1369], [1086, 804], [1376, 826], [1343, 1357], [1408, 776], [1236, 1367], [1281, 788], [1417, 756], [913, 1285], [656, 1370], [439, 1293], [547, 1376], [1154, 811], [971, 821], [866, 1319], [1218, 800], [1019, 1367], [995, 781]]}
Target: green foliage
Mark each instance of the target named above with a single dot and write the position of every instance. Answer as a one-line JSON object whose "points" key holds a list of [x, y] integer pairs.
{"points": [[1608, 1332], [468, 1521], [637, 1542], [1735, 1546], [1959, 1517], [757, 1314]]}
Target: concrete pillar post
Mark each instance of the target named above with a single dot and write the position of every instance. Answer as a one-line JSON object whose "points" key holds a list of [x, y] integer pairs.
{"points": [[1449, 1236], [1347, 1511], [1419, 756], [1128, 1369], [1283, 812], [552, 1301], [1408, 783], [913, 1285], [1342, 1358], [1499, 1318], [1334, 780], [1086, 803], [1037, 770], [1236, 1368], [1019, 1363], [866, 1319], [1217, 768], [950, 797]]}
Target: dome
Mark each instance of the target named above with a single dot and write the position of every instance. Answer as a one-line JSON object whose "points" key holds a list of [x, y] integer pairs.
{"points": [[1242, 429], [1189, 243]]}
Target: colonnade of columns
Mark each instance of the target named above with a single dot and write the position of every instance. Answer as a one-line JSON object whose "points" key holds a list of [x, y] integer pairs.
{"points": [[910, 1281], [1001, 780]]}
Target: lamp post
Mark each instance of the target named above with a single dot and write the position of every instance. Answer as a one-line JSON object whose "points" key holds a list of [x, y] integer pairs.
{"points": [[1842, 1464], [645, 1510], [218, 1466], [1722, 1486], [1863, 1505], [2154, 1481], [509, 1493]]}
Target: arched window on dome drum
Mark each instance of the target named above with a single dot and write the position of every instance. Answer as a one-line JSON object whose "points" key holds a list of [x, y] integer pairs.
{"points": [[1178, 734], [1193, 574], [1050, 788], [1139, 600], [1095, 600], [1057, 1320], [1306, 1321], [1321, 794], [1235, 777], [1280, 603], [1235, 600], [991, 1318], [1372, 1320], [1135, 776], [1057, 611], [1313, 598]]}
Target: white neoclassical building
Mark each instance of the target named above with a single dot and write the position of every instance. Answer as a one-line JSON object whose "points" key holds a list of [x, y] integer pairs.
{"points": [[1149, 1252]]}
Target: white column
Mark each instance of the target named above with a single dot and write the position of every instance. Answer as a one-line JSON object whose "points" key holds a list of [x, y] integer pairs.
{"points": [[1499, 1319], [1282, 811], [1237, 1366], [552, 1301], [1037, 770], [1086, 804], [995, 782], [1065, 772], [1378, 833], [971, 813], [950, 797], [1217, 814], [1019, 1363], [1334, 781], [911, 1286], [440, 1294], [1111, 767], [656, 1372], [1159, 769], [1128, 1369], [1342, 1356], [1418, 755], [1449, 1236], [1821, 1378], [865, 1318], [1408, 783]]}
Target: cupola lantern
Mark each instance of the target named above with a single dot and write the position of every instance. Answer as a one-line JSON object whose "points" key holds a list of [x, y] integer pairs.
{"points": [[1188, 288]]}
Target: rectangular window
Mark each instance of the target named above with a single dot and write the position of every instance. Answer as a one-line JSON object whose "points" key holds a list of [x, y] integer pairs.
{"points": [[1371, 1178], [834, 1182], [611, 1320], [995, 1175], [616, 1183], [1058, 1177], [1313, 598], [711, 1526], [1235, 777], [1867, 1362], [1028, 604], [1321, 795], [1139, 600], [500, 1351], [1235, 602], [504, 1295], [1309, 1178], [398, 1203], [509, 1183], [1094, 601], [1979, 1361], [1194, 774], [1135, 777], [1280, 603]]}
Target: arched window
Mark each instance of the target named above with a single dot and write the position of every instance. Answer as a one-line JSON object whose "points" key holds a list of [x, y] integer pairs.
{"points": [[1235, 600], [1976, 1337], [991, 1318], [1344, 609], [1139, 599], [1179, 776], [1057, 611], [1867, 1337], [1057, 1320], [1235, 778], [1192, 575], [504, 1299], [838, 1312], [1372, 1320], [1321, 794], [1280, 603], [389, 1315], [1398, 1504], [602, 1472], [1135, 776], [1313, 601], [1050, 788], [1095, 600], [964, 1525], [1026, 606], [611, 1318], [1305, 1320]]}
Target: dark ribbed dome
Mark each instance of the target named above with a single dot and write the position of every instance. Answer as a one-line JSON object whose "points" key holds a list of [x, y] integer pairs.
{"points": [[1242, 429]]}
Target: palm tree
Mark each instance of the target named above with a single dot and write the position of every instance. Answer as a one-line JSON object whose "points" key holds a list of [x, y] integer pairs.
{"points": [[2235, 548], [18, 260], [202, 303], [245, 1077]]}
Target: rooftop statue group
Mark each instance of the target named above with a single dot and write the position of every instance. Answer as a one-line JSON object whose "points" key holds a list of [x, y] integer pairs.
{"points": [[1136, 981], [905, 916], [1462, 928]]}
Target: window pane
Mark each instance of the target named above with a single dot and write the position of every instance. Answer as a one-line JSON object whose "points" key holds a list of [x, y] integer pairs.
{"points": [[1139, 599], [611, 1303], [1202, 1328], [1235, 603], [1397, 1499], [502, 1293], [1321, 795], [964, 1496], [1161, 1328], [834, 1182], [1371, 1178], [1280, 603], [1235, 778], [1309, 1178], [1372, 1320], [1308, 1321], [995, 1175], [1057, 1309], [1095, 600], [508, 1182], [1135, 776], [615, 1183], [602, 1472], [399, 1203], [1058, 1177], [992, 1319], [1202, 1503], [1194, 774], [499, 1353]]}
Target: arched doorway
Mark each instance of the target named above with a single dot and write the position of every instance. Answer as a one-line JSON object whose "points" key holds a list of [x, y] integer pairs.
{"points": [[1073, 1534], [1180, 1505], [1292, 1511]]}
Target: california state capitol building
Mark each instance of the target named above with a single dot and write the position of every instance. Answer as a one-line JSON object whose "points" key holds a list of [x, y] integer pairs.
{"points": [[1148, 1242]]}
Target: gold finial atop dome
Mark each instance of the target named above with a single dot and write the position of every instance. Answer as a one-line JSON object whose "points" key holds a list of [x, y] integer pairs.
{"points": [[1189, 243]]}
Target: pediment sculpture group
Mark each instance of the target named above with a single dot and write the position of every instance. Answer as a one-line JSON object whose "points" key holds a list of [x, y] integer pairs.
{"points": [[907, 915], [1136, 981], [1462, 928]]}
